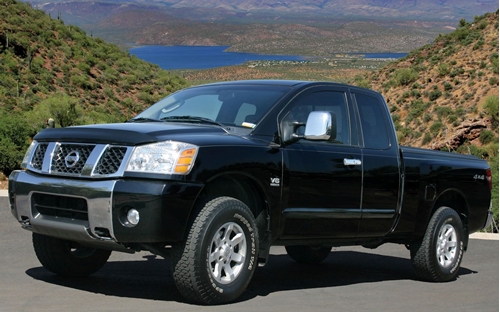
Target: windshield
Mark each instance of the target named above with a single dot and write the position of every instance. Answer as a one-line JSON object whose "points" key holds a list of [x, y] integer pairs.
{"points": [[227, 105]]}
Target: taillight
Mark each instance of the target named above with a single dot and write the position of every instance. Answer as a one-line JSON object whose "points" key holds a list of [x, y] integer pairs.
{"points": [[488, 177]]}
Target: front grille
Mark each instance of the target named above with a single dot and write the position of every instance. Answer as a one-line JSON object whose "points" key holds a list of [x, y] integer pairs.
{"points": [[111, 160], [37, 160], [60, 206], [78, 159], [70, 158]]}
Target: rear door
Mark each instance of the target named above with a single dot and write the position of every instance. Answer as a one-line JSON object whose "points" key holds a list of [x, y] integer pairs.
{"points": [[381, 166]]}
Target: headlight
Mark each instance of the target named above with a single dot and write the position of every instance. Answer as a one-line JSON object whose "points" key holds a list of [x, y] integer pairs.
{"points": [[167, 157], [27, 156]]}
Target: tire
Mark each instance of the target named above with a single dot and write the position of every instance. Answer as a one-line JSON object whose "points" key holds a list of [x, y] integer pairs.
{"points": [[308, 254], [217, 261], [68, 258], [438, 256]]}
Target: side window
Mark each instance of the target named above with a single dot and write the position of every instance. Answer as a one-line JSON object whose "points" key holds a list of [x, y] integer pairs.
{"points": [[373, 123], [330, 101]]}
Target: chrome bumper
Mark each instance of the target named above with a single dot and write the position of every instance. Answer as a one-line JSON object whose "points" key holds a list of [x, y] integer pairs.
{"points": [[97, 230]]}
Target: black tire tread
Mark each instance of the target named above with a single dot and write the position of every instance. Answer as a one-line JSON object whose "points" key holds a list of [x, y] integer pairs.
{"points": [[422, 256], [189, 283], [55, 256]]}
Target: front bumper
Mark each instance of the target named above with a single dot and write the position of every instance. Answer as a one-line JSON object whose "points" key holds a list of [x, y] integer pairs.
{"points": [[92, 211]]}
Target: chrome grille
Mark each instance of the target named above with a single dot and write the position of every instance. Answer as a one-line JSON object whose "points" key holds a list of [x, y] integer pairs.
{"points": [[37, 160], [79, 159], [70, 158], [111, 160]]}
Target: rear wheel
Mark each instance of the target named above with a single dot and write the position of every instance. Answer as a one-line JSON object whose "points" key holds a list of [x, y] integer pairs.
{"points": [[216, 262], [308, 254], [68, 258], [438, 256]]}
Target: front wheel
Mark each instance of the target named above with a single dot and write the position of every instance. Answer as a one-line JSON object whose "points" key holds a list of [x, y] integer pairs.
{"points": [[68, 258], [216, 262], [438, 256]]}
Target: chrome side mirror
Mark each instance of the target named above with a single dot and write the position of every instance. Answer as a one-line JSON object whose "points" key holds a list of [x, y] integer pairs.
{"points": [[321, 126]]}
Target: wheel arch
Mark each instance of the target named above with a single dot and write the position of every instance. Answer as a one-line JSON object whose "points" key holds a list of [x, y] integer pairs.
{"points": [[246, 189], [455, 200]]}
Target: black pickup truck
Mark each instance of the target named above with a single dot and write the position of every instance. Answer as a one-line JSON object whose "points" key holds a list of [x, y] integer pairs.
{"points": [[212, 176]]}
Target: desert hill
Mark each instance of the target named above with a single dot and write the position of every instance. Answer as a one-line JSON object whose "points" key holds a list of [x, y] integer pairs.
{"points": [[52, 70], [440, 95]]}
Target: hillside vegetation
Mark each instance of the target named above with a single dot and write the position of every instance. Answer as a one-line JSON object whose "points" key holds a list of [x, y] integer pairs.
{"points": [[50, 70], [440, 95]]}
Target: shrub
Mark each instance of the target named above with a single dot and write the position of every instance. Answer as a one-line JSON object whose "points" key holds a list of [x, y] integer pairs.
{"points": [[457, 71], [427, 138], [436, 128], [405, 76], [416, 93], [443, 69], [447, 86], [417, 109], [486, 136], [434, 94], [490, 105], [14, 140], [64, 109]]}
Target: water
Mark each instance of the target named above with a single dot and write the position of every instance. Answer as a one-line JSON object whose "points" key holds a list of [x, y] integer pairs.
{"points": [[200, 57]]}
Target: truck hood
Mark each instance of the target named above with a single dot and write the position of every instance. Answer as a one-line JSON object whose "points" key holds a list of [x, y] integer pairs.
{"points": [[124, 133]]}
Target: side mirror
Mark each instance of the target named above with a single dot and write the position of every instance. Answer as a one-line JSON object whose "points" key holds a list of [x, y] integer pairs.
{"points": [[321, 126]]}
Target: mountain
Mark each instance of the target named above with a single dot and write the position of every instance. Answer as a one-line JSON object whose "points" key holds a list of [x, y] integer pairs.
{"points": [[312, 28], [413, 9]]}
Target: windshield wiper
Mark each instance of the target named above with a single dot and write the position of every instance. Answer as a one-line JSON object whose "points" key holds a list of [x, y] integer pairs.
{"points": [[143, 119], [192, 119]]}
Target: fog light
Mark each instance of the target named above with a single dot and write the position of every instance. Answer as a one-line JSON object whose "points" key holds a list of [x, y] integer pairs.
{"points": [[133, 217]]}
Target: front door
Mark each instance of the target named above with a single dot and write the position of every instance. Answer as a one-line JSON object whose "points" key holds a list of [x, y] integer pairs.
{"points": [[323, 179]]}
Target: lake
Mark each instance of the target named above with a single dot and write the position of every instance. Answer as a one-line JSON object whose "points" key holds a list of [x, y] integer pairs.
{"points": [[202, 57]]}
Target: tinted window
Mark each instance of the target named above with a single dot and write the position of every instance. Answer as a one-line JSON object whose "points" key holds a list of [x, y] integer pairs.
{"points": [[232, 105], [373, 123], [330, 101]]}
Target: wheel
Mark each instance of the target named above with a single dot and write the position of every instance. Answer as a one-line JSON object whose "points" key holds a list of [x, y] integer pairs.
{"points": [[308, 254], [217, 260], [438, 256], [68, 258]]}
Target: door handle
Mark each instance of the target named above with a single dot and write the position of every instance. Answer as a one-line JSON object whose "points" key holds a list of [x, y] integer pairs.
{"points": [[352, 162]]}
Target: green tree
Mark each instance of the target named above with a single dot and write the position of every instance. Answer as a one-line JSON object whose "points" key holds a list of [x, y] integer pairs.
{"points": [[14, 140], [64, 109]]}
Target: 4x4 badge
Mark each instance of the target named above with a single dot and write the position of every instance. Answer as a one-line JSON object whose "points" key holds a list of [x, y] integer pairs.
{"points": [[71, 159]]}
